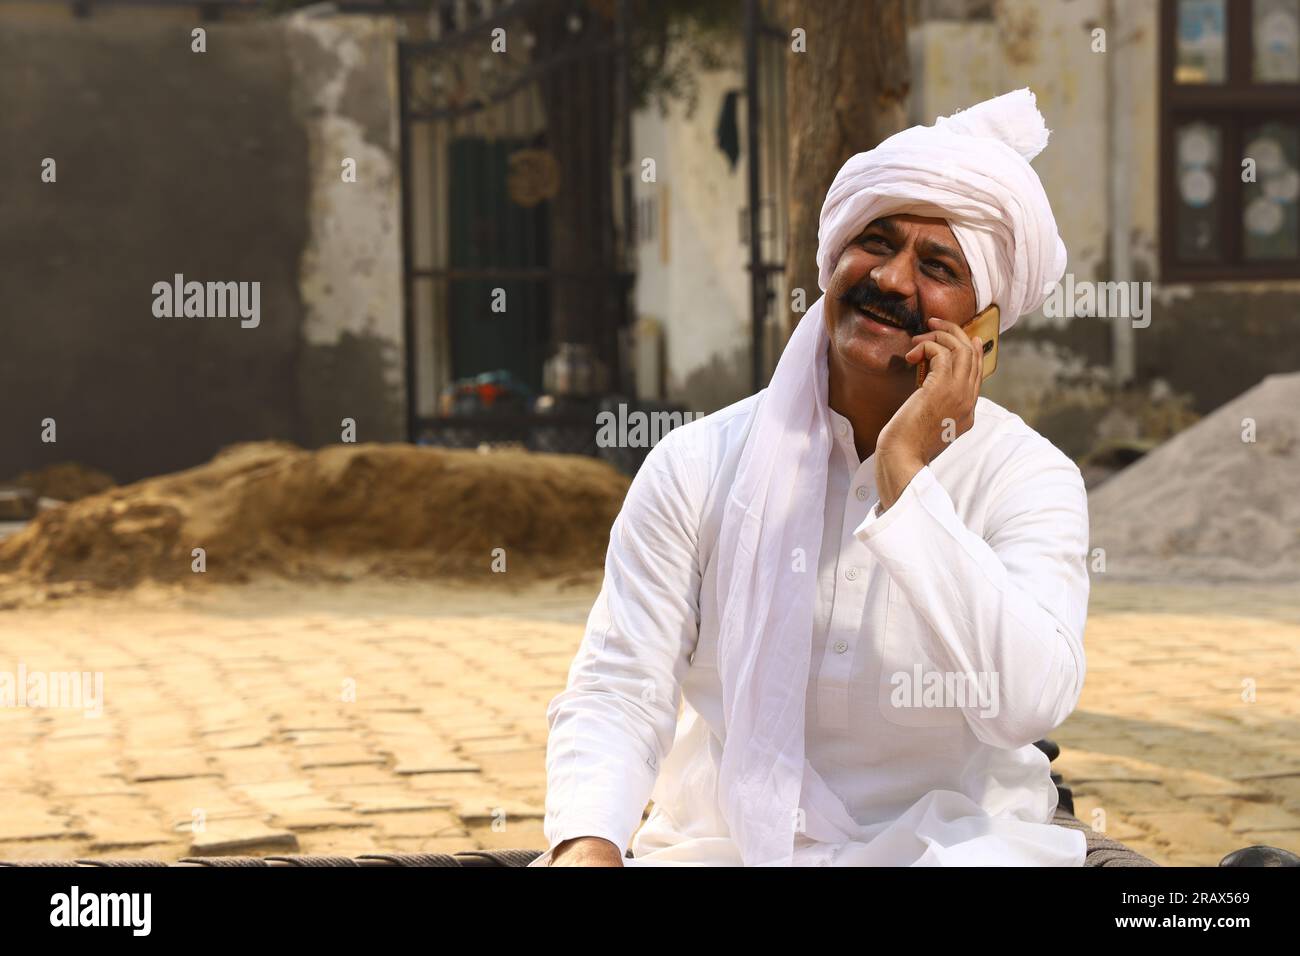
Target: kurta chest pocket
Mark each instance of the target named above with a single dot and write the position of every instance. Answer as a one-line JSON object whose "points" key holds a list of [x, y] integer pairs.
{"points": [[913, 690]]}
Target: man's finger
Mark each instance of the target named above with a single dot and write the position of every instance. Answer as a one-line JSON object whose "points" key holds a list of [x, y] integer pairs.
{"points": [[940, 357], [953, 342], [937, 324], [962, 360]]}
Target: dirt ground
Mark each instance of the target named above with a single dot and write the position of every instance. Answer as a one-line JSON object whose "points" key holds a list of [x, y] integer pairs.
{"points": [[277, 718], [337, 514]]}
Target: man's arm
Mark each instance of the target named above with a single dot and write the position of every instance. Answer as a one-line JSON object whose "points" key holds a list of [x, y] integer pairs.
{"points": [[1012, 605], [614, 723]]}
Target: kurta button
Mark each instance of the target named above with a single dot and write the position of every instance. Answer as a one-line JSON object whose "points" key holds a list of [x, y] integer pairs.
{"points": [[851, 574], [862, 493], [841, 647]]}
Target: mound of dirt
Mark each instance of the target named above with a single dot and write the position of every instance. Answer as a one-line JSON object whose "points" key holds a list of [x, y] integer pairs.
{"points": [[1209, 504], [346, 511], [65, 481]]}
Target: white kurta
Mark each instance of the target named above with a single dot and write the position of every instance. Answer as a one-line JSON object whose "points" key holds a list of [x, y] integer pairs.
{"points": [[975, 577]]}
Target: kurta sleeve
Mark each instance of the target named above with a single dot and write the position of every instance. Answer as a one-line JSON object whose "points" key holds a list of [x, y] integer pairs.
{"points": [[1012, 602], [613, 724]]}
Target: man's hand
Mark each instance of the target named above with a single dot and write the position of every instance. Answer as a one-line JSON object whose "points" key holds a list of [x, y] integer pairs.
{"points": [[934, 415], [586, 851]]}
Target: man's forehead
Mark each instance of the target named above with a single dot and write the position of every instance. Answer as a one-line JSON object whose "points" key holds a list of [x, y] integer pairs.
{"points": [[900, 222]]}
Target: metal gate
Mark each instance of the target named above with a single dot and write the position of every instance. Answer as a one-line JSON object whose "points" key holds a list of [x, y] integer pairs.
{"points": [[515, 124], [767, 148]]}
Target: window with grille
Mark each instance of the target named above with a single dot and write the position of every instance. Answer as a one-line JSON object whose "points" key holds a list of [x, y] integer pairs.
{"points": [[1230, 139]]}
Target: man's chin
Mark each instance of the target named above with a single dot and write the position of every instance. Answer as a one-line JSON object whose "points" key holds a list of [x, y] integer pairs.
{"points": [[869, 355]]}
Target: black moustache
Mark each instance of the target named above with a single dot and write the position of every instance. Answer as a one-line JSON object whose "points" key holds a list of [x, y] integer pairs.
{"points": [[870, 299]]}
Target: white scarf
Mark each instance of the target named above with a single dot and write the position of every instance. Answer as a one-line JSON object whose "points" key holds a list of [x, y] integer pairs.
{"points": [[972, 169]]}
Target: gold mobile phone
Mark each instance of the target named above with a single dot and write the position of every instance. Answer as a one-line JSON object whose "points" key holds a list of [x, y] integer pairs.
{"points": [[985, 325]]}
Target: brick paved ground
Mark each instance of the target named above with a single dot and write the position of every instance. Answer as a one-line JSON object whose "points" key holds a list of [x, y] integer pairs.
{"points": [[1186, 744], [382, 717]]}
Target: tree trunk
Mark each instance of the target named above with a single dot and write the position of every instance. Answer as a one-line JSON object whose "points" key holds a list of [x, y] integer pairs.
{"points": [[845, 94]]}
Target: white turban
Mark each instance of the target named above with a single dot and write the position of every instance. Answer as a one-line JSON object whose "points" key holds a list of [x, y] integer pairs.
{"points": [[973, 170]]}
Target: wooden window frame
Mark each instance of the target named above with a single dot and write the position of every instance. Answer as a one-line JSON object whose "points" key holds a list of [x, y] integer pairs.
{"points": [[1233, 105]]}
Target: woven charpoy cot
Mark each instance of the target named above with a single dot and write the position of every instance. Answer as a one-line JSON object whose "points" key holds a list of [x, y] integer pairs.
{"points": [[1101, 852], [468, 858]]}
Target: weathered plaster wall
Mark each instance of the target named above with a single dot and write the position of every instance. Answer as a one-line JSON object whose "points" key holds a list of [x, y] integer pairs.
{"points": [[222, 166], [167, 162], [694, 278], [350, 272]]}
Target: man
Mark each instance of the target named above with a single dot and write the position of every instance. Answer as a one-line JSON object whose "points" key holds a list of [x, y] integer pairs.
{"points": [[866, 597]]}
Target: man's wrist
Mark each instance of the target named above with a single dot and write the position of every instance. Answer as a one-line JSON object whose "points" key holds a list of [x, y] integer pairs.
{"points": [[895, 467], [899, 452], [594, 843]]}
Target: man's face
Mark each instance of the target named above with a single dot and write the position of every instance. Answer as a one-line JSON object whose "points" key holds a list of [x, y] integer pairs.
{"points": [[901, 269]]}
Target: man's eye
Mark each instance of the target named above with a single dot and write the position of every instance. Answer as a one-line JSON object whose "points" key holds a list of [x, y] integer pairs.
{"points": [[878, 241], [941, 267]]}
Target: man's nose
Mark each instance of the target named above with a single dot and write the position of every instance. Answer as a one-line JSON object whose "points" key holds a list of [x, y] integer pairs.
{"points": [[894, 277]]}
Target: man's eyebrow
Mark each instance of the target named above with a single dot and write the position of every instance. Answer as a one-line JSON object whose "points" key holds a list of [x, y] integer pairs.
{"points": [[933, 247], [885, 225]]}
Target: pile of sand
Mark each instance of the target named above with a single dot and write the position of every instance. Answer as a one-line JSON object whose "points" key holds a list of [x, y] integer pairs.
{"points": [[1207, 505], [65, 481], [346, 511]]}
